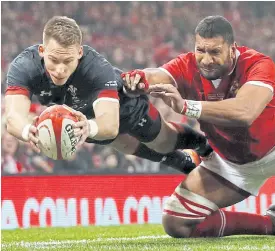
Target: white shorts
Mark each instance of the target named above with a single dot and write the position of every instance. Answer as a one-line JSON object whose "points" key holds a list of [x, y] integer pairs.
{"points": [[249, 177]]}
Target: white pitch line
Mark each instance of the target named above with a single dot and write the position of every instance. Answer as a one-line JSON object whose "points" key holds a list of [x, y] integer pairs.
{"points": [[50, 245], [45, 244]]}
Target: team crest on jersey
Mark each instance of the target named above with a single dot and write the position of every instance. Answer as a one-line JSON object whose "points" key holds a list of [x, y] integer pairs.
{"points": [[72, 90], [75, 100]]}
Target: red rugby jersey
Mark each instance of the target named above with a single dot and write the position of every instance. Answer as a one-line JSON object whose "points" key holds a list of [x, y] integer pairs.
{"points": [[237, 144]]}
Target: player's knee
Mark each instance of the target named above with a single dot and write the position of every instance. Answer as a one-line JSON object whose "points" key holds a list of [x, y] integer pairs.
{"points": [[165, 140], [125, 144], [183, 211], [175, 227], [160, 148]]}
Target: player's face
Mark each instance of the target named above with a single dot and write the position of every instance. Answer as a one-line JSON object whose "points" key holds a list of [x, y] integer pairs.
{"points": [[214, 57], [60, 62]]}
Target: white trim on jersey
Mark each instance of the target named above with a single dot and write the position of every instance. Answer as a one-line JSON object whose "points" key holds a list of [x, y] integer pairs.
{"points": [[259, 83], [168, 73], [106, 99], [237, 57]]}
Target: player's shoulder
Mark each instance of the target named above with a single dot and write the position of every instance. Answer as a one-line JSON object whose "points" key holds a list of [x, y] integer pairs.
{"points": [[28, 54], [182, 62], [188, 65], [92, 63], [187, 58], [249, 57], [26, 66], [28, 61], [89, 53], [92, 57]]}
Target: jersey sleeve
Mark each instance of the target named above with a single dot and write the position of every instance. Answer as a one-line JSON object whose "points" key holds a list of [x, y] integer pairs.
{"points": [[178, 68], [262, 73], [18, 78], [185, 74], [102, 81]]}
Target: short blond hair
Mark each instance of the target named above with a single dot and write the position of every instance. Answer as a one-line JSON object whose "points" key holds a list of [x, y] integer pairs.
{"points": [[64, 30]]}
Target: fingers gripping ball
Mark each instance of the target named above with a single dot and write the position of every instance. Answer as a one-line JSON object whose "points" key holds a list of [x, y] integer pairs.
{"points": [[55, 132]]}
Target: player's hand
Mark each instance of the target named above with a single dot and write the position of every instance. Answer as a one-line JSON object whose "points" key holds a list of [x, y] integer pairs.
{"points": [[169, 94], [135, 80], [81, 128], [33, 137]]}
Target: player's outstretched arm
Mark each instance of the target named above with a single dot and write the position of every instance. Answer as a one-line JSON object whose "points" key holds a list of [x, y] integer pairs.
{"points": [[107, 119], [242, 110], [17, 109], [239, 111], [142, 79]]}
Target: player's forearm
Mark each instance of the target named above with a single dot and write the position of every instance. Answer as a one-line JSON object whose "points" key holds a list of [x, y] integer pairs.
{"points": [[16, 123], [107, 128], [230, 112], [105, 125], [17, 111]]}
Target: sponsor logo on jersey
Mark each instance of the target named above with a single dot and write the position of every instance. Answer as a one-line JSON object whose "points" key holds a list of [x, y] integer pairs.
{"points": [[111, 83], [215, 96]]}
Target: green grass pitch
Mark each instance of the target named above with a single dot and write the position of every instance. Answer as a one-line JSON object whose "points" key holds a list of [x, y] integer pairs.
{"points": [[127, 237]]}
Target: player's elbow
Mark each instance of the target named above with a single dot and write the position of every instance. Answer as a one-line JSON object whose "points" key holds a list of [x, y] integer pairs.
{"points": [[153, 75], [156, 76], [244, 115], [246, 120], [111, 131], [111, 134]]}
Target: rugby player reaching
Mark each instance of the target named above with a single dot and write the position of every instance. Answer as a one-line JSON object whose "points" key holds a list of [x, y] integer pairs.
{"points": [[62, 71], [229, 89]]}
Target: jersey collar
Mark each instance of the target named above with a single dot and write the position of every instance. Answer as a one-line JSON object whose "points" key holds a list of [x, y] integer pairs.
{"points": [[235, 63], [217, 82]]}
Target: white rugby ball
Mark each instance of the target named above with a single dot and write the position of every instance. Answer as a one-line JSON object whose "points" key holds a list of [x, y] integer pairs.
{"points": [[55, 132]]}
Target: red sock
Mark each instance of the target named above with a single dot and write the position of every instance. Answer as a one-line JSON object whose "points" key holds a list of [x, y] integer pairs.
{"points": [[223, 223]]}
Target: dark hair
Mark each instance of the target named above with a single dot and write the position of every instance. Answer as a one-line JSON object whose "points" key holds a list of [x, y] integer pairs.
{"points": [[214, 26], [64, 30]]}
